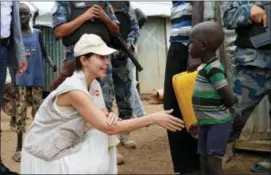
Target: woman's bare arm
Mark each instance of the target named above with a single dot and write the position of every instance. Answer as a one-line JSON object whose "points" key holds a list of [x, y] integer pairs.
{"points": [[96, 117]]}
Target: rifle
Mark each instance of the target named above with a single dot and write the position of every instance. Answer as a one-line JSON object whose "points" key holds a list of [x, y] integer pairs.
{"points": [[121, 45], [264, 38]]}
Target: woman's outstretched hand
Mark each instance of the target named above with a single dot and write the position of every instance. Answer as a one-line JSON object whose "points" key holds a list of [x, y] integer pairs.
{"points": [[167, 121]]}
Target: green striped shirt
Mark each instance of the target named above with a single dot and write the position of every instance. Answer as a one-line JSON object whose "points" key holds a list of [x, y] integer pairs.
{"points": [[207, 103]]}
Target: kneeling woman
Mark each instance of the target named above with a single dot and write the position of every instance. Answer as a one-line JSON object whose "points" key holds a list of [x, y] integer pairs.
{"points": [[71, 132]]}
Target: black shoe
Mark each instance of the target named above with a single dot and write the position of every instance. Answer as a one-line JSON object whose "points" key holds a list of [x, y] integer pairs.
{"points": [[5, 170]]}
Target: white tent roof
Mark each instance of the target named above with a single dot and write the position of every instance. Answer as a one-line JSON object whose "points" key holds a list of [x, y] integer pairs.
{"points": [[154, 8], [46, 10]]}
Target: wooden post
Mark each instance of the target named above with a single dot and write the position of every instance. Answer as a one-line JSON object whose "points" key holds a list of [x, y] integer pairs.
{"points": [[0, 128], [222, 52]]}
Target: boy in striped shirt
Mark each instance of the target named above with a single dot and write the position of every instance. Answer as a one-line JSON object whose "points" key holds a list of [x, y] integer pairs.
{"points": [[212, 97]]}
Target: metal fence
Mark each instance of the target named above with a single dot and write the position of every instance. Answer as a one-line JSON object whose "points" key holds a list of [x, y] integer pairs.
{"points": [[55, 50]]}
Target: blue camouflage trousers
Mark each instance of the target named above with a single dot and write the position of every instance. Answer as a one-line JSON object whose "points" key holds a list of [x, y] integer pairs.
{"points": [[250, 85], [136, 102], [117, 84]]}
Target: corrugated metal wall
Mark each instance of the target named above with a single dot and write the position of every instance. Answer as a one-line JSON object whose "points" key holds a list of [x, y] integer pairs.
{"points": [[55, 50]]}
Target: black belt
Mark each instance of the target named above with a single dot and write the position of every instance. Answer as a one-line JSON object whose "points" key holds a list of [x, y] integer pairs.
{"points": [[4, 42]]}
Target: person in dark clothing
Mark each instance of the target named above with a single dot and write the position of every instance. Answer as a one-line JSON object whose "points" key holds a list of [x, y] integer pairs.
{"points": [[183, 146], [11, 53], [74, 18], [118, 83]]}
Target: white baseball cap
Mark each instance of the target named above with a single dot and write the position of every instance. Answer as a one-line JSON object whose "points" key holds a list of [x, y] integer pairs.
{"points": [[90, 43]]}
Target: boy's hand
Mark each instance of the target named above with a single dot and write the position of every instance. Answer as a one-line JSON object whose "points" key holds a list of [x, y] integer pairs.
{"points": [[258, 15], [193, 130]]}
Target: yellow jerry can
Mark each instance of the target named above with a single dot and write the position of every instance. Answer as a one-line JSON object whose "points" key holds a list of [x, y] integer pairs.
{"points": [[183, 84]]}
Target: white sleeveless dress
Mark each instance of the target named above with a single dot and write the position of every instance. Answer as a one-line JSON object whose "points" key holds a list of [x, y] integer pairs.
{"points": [[96, 155]]}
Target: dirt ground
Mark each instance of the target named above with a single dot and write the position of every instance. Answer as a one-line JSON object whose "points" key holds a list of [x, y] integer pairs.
{"points": [[152, 155]]}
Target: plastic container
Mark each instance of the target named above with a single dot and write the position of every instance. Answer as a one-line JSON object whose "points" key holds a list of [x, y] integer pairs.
{"points": [[183, 84]]}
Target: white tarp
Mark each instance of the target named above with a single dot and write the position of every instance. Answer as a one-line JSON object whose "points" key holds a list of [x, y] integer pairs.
{"points": [[46, 10], [256, 133], [258, 125], [154, 8]]}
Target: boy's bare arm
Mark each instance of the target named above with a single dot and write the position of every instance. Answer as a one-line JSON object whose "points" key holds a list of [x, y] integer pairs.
{"points": [[227, 96], [217, 77]]}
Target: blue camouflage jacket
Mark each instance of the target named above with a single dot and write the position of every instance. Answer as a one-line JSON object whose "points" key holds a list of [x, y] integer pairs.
{"points": [[61, 16], [237, 13], [134, 28]]}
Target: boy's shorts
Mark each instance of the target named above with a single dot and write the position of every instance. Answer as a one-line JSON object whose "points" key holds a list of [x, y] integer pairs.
{"points": [[213, 139]]}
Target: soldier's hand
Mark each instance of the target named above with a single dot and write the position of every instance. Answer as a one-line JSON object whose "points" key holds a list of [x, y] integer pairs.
{"points": [[99, 13], [193, 130], [129, 46], [89, 14], [258, 15]]}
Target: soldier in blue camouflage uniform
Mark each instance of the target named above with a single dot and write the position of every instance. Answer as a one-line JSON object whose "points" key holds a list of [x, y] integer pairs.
{"points": [[118, 82], [61, 16], [253, 66]]}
